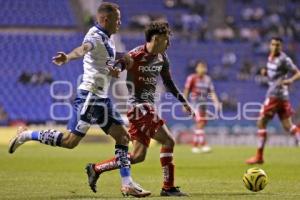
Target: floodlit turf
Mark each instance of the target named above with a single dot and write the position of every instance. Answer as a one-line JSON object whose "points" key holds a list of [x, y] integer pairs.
{"points": [[41, 172]]}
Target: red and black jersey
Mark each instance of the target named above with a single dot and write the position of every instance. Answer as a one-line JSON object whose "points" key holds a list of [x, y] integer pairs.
{"points": [[143, 75]]}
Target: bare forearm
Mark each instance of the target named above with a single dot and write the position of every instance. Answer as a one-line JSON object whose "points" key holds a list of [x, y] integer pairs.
{"points": [[79, 51], [296, 76], [76, 53]]}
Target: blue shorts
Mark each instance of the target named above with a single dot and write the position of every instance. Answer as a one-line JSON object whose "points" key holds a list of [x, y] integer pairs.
{"points": [[90, 109]]}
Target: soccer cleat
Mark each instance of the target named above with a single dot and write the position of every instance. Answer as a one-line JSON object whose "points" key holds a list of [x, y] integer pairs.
{"points": [[173, 191], [134, 189], [93, 176], [254, 160], [196, 150], [16, 141], [206, 149]]}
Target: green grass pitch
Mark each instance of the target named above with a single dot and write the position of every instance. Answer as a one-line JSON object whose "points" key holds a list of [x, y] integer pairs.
{"points": [[40, 172]]}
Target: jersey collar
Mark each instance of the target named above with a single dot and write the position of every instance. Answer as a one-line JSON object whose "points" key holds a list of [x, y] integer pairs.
{"points": [[98, 26]]}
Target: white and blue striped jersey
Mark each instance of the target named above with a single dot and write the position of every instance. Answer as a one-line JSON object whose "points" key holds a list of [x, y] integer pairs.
{"points": [[96, 62]]}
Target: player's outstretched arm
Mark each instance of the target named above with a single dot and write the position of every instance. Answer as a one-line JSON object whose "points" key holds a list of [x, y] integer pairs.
{"points": [[62, 58], [170, 85]]}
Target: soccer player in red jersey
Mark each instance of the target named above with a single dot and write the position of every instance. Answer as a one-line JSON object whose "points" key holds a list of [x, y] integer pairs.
{"points": [[279, 65], [200, 88], [149, 61]]}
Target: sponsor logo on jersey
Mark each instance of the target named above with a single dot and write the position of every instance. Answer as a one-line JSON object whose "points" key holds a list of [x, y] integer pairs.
{"points": [[148, 80], [154, 68]]}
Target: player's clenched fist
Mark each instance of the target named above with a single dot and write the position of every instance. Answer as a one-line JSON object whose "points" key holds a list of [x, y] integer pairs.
{"points": [[60, 58]]}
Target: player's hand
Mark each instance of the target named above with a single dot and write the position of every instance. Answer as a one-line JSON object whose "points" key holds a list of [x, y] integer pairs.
{"points": [[187, 108], [114, 72], [286, 82], [128, 61], [60, 58]]}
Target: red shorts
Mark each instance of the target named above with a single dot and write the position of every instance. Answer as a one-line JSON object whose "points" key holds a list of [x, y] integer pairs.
{"points": [[274, 106], [143, 123]]}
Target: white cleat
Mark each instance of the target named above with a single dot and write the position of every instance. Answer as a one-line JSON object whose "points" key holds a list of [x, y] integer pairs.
{"points": [[16, 141], [196, 150], [206, 149], [134, 189]]}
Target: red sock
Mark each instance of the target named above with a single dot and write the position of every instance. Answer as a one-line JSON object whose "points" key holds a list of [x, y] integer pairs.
{"points": [[166, 158], [199, 138], [107, 165], [262, 138]]}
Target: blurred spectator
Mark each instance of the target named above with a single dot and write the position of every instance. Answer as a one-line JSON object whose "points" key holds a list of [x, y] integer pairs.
{"points": [[228, 59], [219, 73], [253, 14], [229, 102], [142, 20], [38, 78], [261, 77], [139, 21], [224, 33], [245, 71], [191, 25], [250, 34]]}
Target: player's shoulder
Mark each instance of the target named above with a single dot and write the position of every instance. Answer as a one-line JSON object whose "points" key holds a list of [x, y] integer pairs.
{"points": [[192, 76], [137, 52], [96, 33], [285, 57], [208, 78]]}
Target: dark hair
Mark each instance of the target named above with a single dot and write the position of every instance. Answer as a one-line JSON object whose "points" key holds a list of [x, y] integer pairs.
{"points": [[107, 7], [200, 62], [277, 39], [156, 28]]}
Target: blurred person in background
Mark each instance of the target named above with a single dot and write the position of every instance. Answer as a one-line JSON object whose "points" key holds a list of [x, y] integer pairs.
{"points": [[279, 66], [200, 89]]}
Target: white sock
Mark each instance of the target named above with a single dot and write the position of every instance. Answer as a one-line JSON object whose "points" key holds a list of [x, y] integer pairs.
{"points": [[26, 135], [126, 180]]}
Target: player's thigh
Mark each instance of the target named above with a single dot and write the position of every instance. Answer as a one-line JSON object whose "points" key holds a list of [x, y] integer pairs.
{"points": [[139, 152], [286, 123], [119, 133], [164, 136]]}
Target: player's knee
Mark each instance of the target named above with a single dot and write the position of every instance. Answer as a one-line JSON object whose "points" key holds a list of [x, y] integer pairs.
{"points": [[170, 142], [68, 143], [124, 139]]}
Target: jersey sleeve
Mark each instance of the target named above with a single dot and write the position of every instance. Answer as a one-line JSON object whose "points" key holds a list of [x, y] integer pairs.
{"points": [[92, 38], [165, 71], [189, 83], [211, 87], [289, 64]]}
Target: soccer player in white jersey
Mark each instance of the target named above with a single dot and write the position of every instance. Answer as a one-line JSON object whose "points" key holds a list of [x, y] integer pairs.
{"points": [[92, 105], [279, 65]]}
